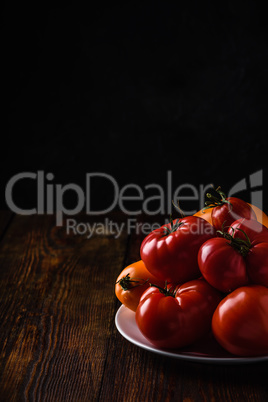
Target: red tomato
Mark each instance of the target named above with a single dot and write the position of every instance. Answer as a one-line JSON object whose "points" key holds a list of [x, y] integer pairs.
{"points": [[240, 322], [176, 318], [256, 257], [221, 265], [132, 282], [170, 252], [256, 232], [236, 259], [261, 216], [226, 210]]}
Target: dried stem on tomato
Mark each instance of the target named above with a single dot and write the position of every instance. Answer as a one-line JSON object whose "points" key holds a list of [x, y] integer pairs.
{"points": [[216, 200], [129, 283]]}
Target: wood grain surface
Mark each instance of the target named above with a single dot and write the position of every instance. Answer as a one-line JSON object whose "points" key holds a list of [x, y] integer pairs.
{"points": [[58, 340]]}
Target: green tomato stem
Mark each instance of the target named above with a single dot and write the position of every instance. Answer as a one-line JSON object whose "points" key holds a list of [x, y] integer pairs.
{"points": [[216, 200], [165, 291], [242, 246]]}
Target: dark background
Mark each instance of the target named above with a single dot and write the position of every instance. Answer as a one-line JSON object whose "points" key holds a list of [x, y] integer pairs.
{"points": [[134, 91]]}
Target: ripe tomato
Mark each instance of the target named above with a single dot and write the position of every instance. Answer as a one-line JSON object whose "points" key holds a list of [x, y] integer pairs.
{"points": [[238, 258], [240, 322], [256, 257], [221, 265], [226, 210], [171, 318], [170, 252], [261, 216], [205, 214], [132, 282]]}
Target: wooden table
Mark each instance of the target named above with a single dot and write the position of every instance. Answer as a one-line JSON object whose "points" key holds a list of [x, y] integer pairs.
{"points": [[58, 338]]}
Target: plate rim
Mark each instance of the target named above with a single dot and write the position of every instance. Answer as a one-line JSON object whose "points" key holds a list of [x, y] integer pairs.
{"points": [[182, 356]]}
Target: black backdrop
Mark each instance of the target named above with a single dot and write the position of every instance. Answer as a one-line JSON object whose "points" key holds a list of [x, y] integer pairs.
{"points": [[134, 91]]}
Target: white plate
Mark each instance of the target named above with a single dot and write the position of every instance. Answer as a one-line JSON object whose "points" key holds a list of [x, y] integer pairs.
{"points": [[205, 351]]}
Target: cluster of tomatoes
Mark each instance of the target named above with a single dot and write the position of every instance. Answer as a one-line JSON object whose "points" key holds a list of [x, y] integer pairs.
{"points": [[202, 273]]}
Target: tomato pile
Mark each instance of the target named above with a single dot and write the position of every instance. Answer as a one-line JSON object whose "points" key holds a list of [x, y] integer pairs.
{"points": [[201, 274]]}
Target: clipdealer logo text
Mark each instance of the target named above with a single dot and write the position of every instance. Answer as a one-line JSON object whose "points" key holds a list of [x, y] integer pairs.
{"points": [[51, 199]]}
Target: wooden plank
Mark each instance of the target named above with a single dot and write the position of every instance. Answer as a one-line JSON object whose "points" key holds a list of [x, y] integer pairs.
{"points": [[56, 310], [5, 219]]}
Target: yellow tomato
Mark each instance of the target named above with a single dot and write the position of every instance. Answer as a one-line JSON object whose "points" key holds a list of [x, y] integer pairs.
{"points": [[205, 215], [261, 216], [132, 282]]}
